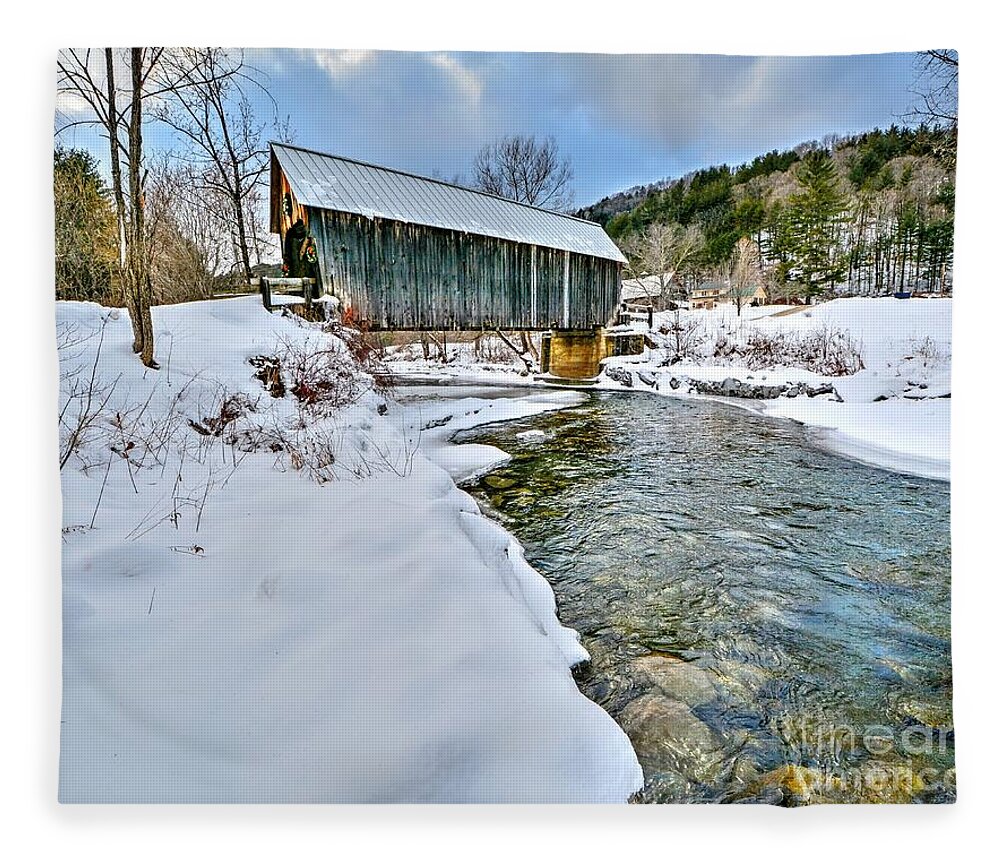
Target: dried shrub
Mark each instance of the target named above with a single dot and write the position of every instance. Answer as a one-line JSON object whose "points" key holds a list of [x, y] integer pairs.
{"points": [[928, 353], [826, 351], [84, 397], [327, 451], [231, 408], [322, 379], [269, 374], [680, 339], [90, 424], [366, 348]]}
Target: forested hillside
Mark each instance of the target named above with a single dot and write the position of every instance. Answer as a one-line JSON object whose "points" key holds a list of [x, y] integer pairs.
{"points": [[870, 214]]}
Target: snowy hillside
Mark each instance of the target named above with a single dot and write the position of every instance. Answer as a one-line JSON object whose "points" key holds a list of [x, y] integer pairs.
{"points": [[284, 598]]}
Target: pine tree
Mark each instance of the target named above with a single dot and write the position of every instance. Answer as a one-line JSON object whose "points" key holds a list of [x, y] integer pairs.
{"points": [[85, 229], [874, 219], [816, 215], [776, 248]]}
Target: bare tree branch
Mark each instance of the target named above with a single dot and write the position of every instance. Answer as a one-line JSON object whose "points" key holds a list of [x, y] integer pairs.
{"points": [[936, 92], [213, 114], [663, 251], [523, 169]]}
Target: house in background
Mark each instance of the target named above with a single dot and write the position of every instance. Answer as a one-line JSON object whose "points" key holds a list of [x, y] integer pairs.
{"points": [[639, 294], [708, 294]]}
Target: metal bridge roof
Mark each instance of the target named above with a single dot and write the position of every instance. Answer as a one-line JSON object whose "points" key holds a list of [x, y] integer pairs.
{"points": [[344, 185]]}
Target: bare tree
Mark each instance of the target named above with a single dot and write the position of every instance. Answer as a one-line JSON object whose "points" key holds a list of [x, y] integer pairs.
{"points": [[214, 115], [936, 92], [936, 87], [119, 113], [684, 336], [521, 168], [662, 251], [743, 273], [459, 179], [190, 231]]}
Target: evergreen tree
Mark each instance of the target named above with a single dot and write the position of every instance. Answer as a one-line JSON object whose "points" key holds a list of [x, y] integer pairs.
{"points": [[875, 219], [776, 248], [85, 229], [816, 216]]}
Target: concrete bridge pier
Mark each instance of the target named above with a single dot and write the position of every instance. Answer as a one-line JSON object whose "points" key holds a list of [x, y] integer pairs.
{"points": [[576, 355]]}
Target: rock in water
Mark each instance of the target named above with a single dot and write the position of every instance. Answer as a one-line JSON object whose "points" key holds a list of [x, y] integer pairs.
{"points": [[532, 436], [789, 785], [731, 387], [499, 482], [667, 736], [871, 782], [822, 388], [677, 678]]}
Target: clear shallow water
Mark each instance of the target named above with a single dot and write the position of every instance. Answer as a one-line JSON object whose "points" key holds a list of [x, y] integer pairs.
{"points": [[768, 622]]}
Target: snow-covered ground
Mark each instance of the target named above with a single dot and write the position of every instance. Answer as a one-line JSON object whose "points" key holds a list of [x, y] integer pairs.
{"points": [[289, 598], [266, 600], [894, 413]]}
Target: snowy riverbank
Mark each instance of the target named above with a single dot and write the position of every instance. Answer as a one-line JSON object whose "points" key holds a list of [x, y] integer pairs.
{"points": [[895, 413], [269, 600]]}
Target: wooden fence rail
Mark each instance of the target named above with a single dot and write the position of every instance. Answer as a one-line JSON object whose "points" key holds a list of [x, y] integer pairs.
{"points": [[268, 286]]}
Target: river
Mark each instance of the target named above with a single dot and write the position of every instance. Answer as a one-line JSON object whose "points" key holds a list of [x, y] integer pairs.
{"points": [[768, 622]]}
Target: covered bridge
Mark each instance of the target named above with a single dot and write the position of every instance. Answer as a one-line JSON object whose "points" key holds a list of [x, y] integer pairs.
{"points": [[406, 252]]}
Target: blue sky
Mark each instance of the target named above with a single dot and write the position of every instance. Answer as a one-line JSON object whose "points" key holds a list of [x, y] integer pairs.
{"points": [[621, 119]]}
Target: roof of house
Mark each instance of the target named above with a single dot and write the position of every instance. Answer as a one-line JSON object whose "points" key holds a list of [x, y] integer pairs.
{"points": [[710, 286], [344, 185], [647, 286]]}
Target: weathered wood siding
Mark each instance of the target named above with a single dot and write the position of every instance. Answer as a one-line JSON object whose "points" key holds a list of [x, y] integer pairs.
{"points": [[408, 276]]}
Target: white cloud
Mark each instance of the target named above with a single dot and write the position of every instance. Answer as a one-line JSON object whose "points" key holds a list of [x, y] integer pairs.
{"points": [[621, 118], [467, 81], [71, 105], [338, 64]]}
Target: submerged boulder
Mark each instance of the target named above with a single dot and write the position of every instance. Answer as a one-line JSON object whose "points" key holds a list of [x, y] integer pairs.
{"points": [[871, 782], [499, 482], [791, 785], [667, 736], [677, 678]]}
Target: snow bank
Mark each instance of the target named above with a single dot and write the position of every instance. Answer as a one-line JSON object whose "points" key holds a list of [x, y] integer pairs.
{"points": [[494, 363], [912, 437], [437, 421], [237, 632]]}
